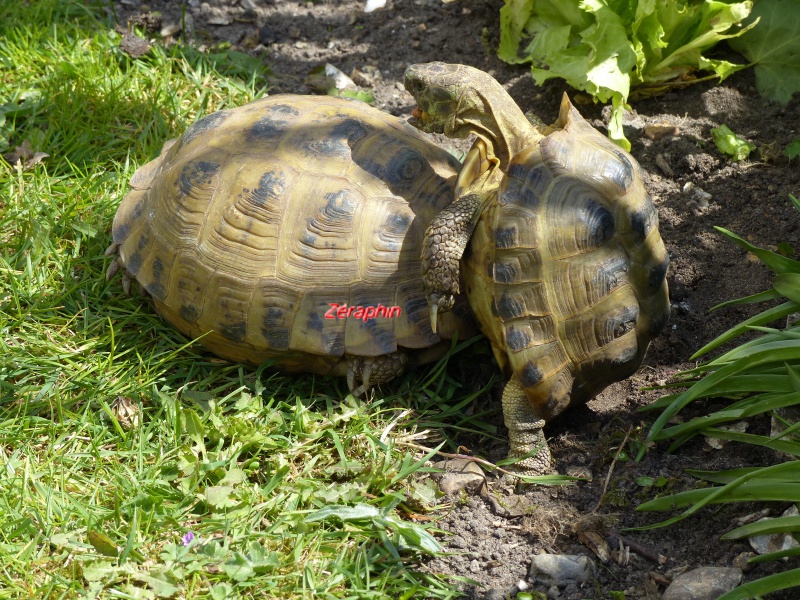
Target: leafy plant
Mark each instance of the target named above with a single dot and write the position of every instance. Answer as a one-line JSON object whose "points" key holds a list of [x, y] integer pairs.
{"points": [[773, 47], [608, 48], [731, 144], [761, 377]]}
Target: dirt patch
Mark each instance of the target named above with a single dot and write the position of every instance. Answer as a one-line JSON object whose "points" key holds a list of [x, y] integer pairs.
{"points": [[490, 546]]}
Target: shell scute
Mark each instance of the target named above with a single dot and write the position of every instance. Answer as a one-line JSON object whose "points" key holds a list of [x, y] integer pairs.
{"points": [[248, 228]]}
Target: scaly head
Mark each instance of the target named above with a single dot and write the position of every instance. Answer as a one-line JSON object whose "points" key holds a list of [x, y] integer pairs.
{"points": [[458, 100]]}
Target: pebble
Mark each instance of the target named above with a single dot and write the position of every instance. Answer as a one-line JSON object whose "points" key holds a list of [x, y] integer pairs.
{"points": [[774, 542], [705, 583], [459, 474], [562, 569], [659, 130]]}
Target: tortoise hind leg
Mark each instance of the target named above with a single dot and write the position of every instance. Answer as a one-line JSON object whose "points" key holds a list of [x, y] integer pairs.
{"points": [[524, 431], [372, 370]]}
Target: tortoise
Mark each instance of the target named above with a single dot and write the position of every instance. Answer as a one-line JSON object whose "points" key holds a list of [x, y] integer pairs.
{"points": [[556, 241], [291, 229]]}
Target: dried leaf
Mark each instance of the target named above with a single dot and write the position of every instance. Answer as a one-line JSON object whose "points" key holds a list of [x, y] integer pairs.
{"points": [[25, 156]]}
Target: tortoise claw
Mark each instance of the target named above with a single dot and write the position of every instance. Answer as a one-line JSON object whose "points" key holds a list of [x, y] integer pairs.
{"points": [[126, 284], [112, 249], [439, 302], [113, 268]]}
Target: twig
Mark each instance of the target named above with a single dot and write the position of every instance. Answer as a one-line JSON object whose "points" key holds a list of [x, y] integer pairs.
{"points": [[611, 468]]}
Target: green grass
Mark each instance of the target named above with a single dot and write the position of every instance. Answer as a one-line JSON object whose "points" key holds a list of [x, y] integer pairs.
{"points": [[759, 378], [289, 488]]}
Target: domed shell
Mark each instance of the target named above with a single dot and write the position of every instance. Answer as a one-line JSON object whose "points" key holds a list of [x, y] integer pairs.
{"points": [[566, 270], [249, 228]]}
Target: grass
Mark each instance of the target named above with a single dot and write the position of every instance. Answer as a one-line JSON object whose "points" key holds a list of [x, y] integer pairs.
{"points": [[131, 464], [759, 377]]}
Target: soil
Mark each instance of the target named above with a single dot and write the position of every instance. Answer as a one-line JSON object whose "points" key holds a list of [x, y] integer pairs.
{"points": [[495, 535]]}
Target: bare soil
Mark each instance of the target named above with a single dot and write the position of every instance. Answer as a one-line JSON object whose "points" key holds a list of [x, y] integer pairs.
{"points": [[495, 535]]}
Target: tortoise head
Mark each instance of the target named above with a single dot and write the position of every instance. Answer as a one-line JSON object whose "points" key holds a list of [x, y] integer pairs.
{"points": [[458, 100]]}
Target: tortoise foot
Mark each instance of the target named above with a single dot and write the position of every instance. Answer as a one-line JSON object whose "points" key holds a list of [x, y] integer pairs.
{"points": [[525, 432], [373, 370]]}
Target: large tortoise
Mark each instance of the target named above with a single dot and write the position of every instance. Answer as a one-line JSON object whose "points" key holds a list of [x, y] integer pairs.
{"points": [[291, 229], [564, 267]]}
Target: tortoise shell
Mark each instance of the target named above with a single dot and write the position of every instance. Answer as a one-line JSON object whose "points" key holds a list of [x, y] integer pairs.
{"points": [[566, 268], [253, 224]]}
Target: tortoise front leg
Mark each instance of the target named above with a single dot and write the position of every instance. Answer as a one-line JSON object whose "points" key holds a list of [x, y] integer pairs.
{"points": [[445, 240], [524, 431], [448, 234], [373, 370]]}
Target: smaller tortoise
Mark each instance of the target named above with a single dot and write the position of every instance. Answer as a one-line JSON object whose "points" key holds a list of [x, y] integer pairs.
{"points": [[285, 229], [564, 267]]}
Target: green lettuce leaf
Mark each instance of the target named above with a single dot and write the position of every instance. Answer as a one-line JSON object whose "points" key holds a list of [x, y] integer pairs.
{"points": [[607, 47], [774, 47]]}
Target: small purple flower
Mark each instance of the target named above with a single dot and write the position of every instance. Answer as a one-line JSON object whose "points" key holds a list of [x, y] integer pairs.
{"points": [[188, 538]]}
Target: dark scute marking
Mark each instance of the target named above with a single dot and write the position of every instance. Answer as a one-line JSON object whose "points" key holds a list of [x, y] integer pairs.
{"points": [[196, 174], [502, 272], [415, 310], [143, 241], [121, 232], [518, 171], [189, 312], [156, 290], [333, 343], [329, 147], [517, 339], [314, 322], [274, 332], [285, 109], [340, 205], [642, 221], [267, 128], [134, 263], [624, 321], [205, 124], [271, 185], [531, 375], [158, 269], [350, 130], [623, 173], [506, 307], [505, 237], [517, 194], [384, 339], [138, 210], [402, 170], [398, 224], [599, 222], [658, 273], [277, 337], [234, 332]]}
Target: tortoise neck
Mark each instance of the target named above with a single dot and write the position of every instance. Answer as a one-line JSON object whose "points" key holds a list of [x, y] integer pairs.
{"points": [[491, 114]]}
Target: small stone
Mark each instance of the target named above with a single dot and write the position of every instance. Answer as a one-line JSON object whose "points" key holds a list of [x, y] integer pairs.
{"points": [[170, 29], [705, 583], [561, 569], [741, 561], [367, 76], [553, 592], [374, 5], [775, 542], [248, 5], [717, 443], [659, 130], [459, 474], [663, 164]]}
